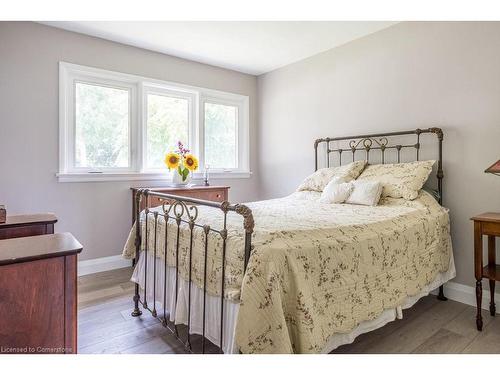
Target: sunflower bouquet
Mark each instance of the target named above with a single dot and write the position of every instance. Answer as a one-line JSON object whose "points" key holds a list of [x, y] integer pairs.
{"points": [[182, 162]]}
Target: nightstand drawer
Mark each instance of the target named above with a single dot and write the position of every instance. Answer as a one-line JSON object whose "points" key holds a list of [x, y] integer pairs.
{"points": [[490, 229]]}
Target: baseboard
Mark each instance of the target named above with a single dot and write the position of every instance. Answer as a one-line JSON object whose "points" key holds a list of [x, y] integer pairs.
{"points": [[467, 294], [87, 267]]}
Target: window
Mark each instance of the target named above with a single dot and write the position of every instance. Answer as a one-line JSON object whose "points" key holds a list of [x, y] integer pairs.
{"points": [[115, 126], [221, 135], [102, 118], [167, 122]]}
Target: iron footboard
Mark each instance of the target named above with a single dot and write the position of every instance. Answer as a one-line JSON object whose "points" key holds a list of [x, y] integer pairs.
{"points": [[183, 210]]}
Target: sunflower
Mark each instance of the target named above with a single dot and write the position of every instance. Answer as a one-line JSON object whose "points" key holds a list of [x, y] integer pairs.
{"points": [[172, 160], [191, 162]]}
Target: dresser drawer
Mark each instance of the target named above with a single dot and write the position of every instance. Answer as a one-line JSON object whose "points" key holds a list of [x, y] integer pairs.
{"points": [[27, 225], [209, 194], [23, 231], [157, 201], [215, 195]]}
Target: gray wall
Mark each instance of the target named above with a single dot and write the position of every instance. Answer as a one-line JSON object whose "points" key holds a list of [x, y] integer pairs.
{"points": [[409, 75], [98, 214], [413, 74]]}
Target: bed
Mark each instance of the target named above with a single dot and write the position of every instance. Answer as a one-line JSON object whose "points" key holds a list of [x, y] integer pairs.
{"points": [[291, 275]]}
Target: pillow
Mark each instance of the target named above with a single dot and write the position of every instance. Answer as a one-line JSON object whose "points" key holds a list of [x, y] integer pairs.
{"points": [[336, 191], [403, 180], [319, 179], [366, 193]]}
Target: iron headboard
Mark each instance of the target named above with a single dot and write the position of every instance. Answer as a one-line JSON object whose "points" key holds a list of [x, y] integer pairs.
{"points": [[382, 142]]}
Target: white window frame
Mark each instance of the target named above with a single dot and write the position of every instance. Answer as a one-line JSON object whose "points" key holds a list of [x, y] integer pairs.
{"points": [[67, 136], [242, 104], [191, 97], [139, 88]]}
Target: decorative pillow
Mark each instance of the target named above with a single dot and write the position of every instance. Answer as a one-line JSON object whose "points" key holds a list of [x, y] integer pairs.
{"points": [[403, 180], [319, 179], [366, 193], [336, 191]]}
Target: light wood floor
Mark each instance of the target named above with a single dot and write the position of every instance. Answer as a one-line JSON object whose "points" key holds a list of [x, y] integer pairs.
{"points": [[431, 326]]}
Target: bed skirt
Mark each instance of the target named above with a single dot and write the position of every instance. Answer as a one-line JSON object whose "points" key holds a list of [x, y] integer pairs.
{"points": [[179, 311]]}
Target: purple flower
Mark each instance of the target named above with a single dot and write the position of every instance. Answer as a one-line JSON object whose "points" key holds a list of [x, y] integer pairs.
{"points": [[182, 150]]}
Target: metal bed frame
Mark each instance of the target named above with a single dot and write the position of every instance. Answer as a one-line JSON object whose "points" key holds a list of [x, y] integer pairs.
{"points": [[183, 211], [381, 143]]}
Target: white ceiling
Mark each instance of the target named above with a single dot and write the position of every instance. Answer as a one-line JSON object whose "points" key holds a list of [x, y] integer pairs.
{"points": [[250, 47]]}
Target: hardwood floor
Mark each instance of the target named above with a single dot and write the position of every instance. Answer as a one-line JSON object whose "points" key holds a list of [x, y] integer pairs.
{"points": [[431, 326], [104, 321]]}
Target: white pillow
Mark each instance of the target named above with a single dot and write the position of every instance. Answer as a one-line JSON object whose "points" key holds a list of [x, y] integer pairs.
{"points": [[319, 179], [366, 193], [336, 191]]}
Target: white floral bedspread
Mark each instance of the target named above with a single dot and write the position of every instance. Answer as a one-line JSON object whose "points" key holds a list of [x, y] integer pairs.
{"points": [[316, 269]]}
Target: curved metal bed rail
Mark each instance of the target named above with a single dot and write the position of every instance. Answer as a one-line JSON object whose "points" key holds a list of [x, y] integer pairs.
{"points": [[178, 210]]}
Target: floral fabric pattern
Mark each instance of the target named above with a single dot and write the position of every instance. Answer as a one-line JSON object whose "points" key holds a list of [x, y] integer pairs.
{"points": [[319, 179], [316, 269], [402, 180]]}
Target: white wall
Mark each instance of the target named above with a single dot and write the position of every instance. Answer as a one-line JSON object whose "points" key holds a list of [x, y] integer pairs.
{"points": [[413, 74], [98, 214]]}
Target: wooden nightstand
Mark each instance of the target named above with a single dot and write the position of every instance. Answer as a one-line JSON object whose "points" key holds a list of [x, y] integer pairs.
{"points": [[27, 225], [487, 224], [209, 193]]}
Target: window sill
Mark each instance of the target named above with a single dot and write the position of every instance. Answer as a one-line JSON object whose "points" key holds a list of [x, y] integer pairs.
{"points": [[131, 176]]}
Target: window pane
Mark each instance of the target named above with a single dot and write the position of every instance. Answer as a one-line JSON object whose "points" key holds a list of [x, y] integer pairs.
{"points": [[221, 130], [168, 122], [101, 126]]}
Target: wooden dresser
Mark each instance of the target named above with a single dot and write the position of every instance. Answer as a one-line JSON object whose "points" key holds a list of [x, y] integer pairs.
{"points": [[38, 300], [210, 193], [27, 225]]}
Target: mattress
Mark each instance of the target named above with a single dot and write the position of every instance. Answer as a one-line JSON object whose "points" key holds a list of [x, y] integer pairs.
{"points": [[317, 270]]}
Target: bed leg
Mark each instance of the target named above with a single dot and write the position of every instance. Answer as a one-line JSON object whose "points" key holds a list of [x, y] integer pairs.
{"points": [[138, 197], [441, 295], [136, 311]]}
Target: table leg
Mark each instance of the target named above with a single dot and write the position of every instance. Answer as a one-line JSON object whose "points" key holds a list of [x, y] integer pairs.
{"points": [[492, 262], [479, 297], [492, 301], [478, 271]]}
